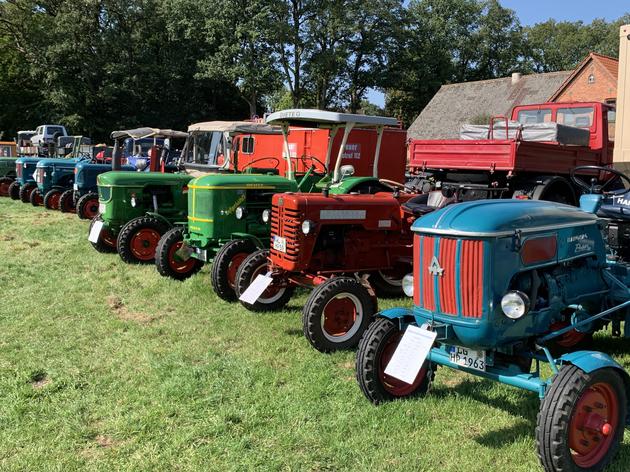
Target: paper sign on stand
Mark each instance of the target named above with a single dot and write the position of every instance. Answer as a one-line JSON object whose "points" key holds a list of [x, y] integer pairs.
{"points": [[95, 232], [410, 354], [256, 289]]}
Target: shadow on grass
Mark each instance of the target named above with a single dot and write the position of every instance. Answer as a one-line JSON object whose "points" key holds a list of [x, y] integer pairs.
{"points": [[612, 346]]}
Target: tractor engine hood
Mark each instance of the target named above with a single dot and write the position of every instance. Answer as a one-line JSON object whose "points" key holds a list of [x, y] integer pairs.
{"points": [[496, 218], [140, 179], [243, 181]]}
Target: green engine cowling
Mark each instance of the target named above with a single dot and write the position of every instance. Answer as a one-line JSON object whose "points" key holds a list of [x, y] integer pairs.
{"points": [[7, 167], [224, 207]]}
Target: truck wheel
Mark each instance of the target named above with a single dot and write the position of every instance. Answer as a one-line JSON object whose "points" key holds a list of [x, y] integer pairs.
{"points": [[166, 261], [14, 190], [581, 420], [375, 351], [138, 240], [51, 199], [87, 206], [226, 264], [387, 284], [106, 243], [66, 201], [271, 299], [5, 183], [337, 313], [36, 198], [25, 192]]}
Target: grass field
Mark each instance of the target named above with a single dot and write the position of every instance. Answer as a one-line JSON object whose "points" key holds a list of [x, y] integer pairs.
{"points": [[105, 366]]}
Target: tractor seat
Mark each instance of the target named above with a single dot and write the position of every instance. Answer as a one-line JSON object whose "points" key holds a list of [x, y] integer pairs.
{"points": [[427, 202], [616, 206]]}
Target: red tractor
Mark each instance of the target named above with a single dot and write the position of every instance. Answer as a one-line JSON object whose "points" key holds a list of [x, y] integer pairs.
{"points": [[352, 248]]}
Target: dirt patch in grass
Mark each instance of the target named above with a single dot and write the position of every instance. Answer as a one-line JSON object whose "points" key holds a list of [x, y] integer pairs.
{"points": [[105, 441], [6, 237], [118, 308], [39, 380]]}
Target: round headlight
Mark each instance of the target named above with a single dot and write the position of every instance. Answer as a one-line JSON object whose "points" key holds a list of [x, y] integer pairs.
{"points": [[133, 200], [515, 304], [407, 285], [307, 226], [266, 215], [240, 213]]}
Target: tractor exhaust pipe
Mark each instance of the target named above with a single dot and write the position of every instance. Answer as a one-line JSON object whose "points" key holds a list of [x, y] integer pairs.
{"points": [[116, 165]]}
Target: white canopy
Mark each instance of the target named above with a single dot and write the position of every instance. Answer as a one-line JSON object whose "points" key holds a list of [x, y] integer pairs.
{"points": [[240, 127], [140, 133], [325, 119]]}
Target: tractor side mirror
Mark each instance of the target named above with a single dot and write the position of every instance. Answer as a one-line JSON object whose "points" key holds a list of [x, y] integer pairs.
{"points": [[346, 171]]}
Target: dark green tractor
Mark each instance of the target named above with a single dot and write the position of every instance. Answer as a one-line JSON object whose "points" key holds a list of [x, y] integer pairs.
{"points": [[7, 166]]}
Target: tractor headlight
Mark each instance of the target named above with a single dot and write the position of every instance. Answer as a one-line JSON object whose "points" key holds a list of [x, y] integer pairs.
{"points": [[515, 304], [239, 213], [133, 200], [307, 226], [407, 285], [266, 215]]}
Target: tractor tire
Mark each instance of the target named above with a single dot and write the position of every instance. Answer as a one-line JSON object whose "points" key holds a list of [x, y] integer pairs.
{"points": [[337, 313], [66, 202], [106, 243], [25, 192], [271, 299], [51, 199], [138, 239], [5, 184], [14, 190], [581, 420], [375, 351], [36, 198], [87, 206], [385, 286], [226, 264], [166, 260]]}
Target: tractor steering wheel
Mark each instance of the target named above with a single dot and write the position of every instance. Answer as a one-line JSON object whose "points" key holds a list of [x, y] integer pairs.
{"points": [[593, 187], [394, 184], [304, 158], [274, 159]]}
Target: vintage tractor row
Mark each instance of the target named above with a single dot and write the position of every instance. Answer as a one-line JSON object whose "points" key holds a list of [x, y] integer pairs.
{"points": [[229, 217]]}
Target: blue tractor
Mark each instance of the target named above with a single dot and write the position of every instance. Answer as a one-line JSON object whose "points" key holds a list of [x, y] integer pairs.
{"points": [[501, 287]]}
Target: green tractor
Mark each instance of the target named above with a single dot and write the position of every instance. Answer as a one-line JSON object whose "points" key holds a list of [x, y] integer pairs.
{"points": [[229, 215], [7, 166]]}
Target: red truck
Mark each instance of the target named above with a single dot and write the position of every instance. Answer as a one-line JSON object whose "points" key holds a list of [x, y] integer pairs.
{"points": [[530, 159]]}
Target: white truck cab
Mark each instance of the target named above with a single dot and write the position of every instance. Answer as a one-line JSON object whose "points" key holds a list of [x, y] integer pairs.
{"points": [[47, 134]]}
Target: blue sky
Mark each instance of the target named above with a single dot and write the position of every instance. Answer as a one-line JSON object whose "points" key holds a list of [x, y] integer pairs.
{"points": [[535, 11]]}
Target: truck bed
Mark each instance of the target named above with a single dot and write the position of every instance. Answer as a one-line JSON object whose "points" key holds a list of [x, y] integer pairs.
{"points": [[500, 155]]}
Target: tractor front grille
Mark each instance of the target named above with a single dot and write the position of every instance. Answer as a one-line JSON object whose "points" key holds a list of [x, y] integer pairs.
{"points": [[18, 170], [450, 275], [286, 223]]}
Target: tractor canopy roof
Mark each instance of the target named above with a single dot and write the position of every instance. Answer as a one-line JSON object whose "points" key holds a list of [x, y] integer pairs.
{"points": [[140, 179], [244, 182], [140, 133], [497, 218], [327, 119], [234, 127]]}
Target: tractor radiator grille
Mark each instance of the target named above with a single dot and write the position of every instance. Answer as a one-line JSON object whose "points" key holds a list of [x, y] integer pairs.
{"points": [[449, 274], [286, 223], [18, 170]]}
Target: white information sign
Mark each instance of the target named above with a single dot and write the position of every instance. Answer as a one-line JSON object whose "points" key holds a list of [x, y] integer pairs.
{"points": [[256, 289], [410, 354], [95, 232]]}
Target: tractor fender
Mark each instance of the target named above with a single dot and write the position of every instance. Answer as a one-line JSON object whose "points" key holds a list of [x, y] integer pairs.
{"points": [[556, 182], [251, 237], [159, 217], [403, 315], [590, 361]]}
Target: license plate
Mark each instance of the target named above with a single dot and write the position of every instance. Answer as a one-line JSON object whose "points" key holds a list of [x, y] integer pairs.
{"points": [[95, 232], [468, 357], [101, 208], [75, 186], [280, 244]]}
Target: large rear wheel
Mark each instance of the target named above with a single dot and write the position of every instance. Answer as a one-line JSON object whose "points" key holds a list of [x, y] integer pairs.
{"points": [[36, 198], [167, 261], [226, 264], [5, 183], [66, 201], [581, 420], [87, 206], [138, 239], [274, 297], [51, 199], [14, 190]]}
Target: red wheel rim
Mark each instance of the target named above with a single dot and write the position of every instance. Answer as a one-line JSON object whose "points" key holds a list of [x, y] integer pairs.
{"points": [[68, 206], [340, 315], [181, 267], [90, 208], [593, 424], [28, 192], [108, 238], [39, 200], [570, 339], [394, 386], [143, 244], [235, 263], [53, 200], [271, 291], [4, 189]]}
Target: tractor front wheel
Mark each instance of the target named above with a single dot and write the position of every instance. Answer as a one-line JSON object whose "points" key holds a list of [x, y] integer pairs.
{"points": [[5, 184], [25, 192], [375, 351], [581, 420], [14, 190], [274, 297], [36, 198], [337, 313], [138, 239], [66, 201], [166, 260], [226, 264], [51, 199], [106, 241], [87, 206]]}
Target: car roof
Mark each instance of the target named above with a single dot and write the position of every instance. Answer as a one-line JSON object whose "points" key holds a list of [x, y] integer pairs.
{"points": [[327, 119]]}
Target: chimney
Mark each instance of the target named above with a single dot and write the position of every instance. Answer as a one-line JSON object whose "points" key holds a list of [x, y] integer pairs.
{"points": [[516, 77]]}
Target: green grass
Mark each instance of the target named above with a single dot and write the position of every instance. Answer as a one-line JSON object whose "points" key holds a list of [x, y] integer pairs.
{"points": [[105, 366]]}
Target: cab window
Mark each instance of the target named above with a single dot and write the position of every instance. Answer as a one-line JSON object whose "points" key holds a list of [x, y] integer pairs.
{"points": [[581, 117], [527, 117], [247, 145]]}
